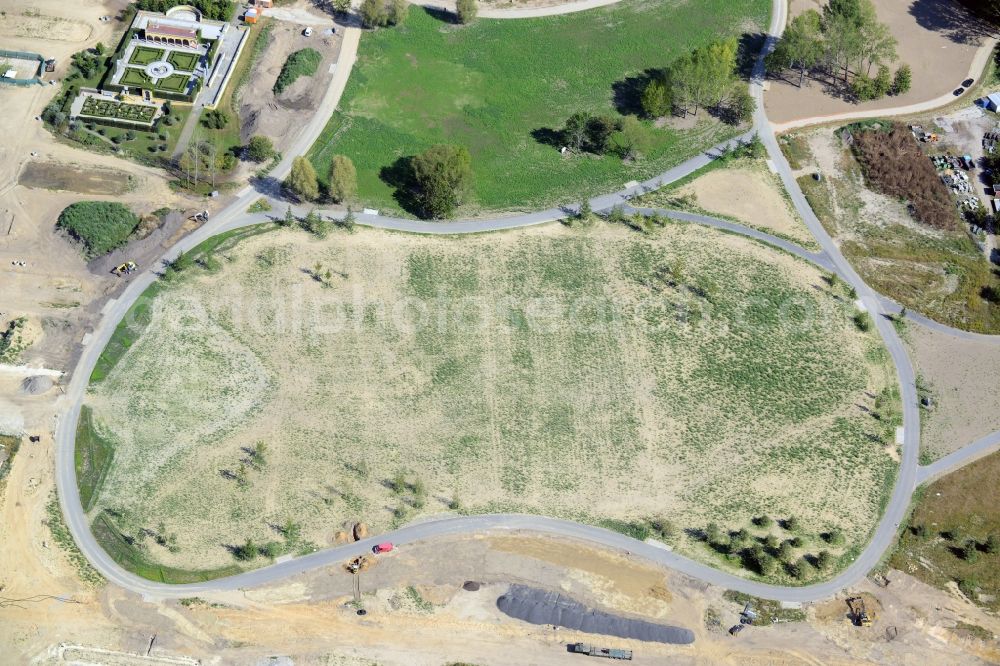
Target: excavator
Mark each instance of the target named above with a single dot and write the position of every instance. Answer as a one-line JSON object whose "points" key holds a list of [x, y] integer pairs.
{"points": [[859, 613]]}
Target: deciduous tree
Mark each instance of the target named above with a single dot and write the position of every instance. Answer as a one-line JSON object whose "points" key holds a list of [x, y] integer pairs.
{"points": [[902, 80], [741, 105], [301, 179], [656, 100], [882, 83], [466, 10], [443, 176], [374, 13], [396, 11], [259, 148], [574, 134], [343, 179], [801, 45]]}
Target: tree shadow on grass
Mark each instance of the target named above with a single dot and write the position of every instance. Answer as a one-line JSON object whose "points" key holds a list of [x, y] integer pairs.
{"points": [[748, 48], [626, 94], [399, 175], [442, 15], [549, 137]]}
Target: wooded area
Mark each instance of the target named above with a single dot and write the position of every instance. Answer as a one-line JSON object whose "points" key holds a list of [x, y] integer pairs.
{"points": [[217, 10], [845, 41]]}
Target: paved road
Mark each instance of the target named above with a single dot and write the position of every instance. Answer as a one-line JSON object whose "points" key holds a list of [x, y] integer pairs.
{"points": [[892, 307], [965, 455], [886, 531], [234, 216]]}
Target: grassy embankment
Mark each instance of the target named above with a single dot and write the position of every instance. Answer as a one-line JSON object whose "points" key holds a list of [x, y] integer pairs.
{"points": [[95, 453]]}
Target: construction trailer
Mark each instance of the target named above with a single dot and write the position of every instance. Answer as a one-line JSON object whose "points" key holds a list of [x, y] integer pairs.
{"points": [[607, 653]]}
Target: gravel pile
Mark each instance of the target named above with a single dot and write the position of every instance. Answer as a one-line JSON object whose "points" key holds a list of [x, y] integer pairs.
{"points": [[36, 385], [542, 607]]}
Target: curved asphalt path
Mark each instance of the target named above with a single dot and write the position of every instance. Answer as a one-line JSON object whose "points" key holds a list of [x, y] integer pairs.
{"points": [[234, 216], [886, 531]]}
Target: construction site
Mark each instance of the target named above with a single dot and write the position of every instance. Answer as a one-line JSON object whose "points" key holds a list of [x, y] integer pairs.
{"points": [[272, 469]]}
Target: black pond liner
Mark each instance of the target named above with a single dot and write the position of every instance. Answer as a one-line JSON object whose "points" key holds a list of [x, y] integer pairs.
{"points": [[541, 607]]}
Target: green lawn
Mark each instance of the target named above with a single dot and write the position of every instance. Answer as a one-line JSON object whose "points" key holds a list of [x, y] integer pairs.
{"points": [[175, 83], [93, 458], [183, 61], [490, 84], [136, 77], [143, 55]]}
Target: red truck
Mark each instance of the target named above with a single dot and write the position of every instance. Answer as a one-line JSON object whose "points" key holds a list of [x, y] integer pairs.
{"points": [[382, 547]]}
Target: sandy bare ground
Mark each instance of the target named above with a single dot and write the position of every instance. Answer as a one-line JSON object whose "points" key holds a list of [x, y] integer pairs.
{"points": [[56, 289], [57, 29], [437, 622], [750, 194], [279, 117], [961, 376], [935, 37]]}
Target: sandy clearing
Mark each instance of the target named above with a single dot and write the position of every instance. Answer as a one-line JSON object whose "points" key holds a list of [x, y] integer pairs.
{"points": [[934, 38], [961, 375], [57, 29], [752, 195], [30, 24], [278, 117]]}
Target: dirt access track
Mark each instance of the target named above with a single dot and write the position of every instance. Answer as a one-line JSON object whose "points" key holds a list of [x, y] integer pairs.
{"points": [[937, 38]]}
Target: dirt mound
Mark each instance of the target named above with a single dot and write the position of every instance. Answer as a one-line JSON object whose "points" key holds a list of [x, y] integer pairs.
{"points": [[36, 385]]}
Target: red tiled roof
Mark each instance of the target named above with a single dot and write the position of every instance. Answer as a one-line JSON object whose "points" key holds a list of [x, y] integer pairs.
{"points": [[171, 30]]}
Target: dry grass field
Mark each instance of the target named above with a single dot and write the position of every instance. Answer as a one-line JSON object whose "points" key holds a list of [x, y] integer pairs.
{"points": [[742, 190], [954, 533], [598, 374], [938, 272]]}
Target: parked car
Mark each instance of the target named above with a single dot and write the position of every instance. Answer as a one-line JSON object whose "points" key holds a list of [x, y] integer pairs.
{"points": [[968, 82], [308, 32], [958, 91]]}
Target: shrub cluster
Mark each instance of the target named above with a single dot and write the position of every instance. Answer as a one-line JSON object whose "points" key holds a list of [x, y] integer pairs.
{"points": [[894, 165], [303, 62], [101, 226]]}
